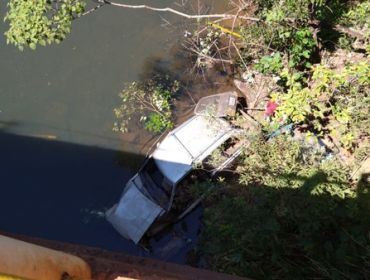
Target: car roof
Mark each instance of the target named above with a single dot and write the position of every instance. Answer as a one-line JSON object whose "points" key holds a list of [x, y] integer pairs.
{"points": [[189, 144]]}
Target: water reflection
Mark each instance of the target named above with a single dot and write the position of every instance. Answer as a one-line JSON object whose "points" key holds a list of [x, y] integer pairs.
{"points": [[69, 90], [58, 180]]}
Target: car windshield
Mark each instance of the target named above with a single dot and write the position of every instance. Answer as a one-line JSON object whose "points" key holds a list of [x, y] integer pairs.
{"points": [[157, 185]]}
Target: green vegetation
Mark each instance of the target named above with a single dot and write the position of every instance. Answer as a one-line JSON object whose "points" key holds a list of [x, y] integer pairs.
{"points": [[292, 215], [335, 103], [270, 64], [40, 22], [358, 18], [294, 209], [150, 101]]}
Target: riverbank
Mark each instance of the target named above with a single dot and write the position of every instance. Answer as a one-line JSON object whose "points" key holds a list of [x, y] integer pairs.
{"points": [[297, 203]]}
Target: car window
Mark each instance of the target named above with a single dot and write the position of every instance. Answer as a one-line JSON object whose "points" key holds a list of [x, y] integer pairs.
{"points": [[157, 177], [156, 185]]}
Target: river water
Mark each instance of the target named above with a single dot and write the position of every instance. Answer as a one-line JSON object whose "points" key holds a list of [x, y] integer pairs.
{"points": [[61, 164]]}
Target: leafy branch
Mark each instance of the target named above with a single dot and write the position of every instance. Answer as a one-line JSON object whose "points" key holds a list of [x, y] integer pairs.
{"points": [[151, 101]]}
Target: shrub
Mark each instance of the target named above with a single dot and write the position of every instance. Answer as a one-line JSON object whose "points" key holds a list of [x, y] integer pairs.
{"points": [[269, 64], [335, 102], [358, 15], [303, 45], [294, 215]]}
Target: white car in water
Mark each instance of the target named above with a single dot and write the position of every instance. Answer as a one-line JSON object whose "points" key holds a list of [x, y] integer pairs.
{"points": [[150, 193]]}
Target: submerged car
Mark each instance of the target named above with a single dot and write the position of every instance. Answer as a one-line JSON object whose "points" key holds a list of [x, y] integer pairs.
{"points": [[150, 193]]}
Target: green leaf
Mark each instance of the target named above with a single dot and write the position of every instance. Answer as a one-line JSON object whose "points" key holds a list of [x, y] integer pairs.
{"points": [[41, 21], [32, 46]]}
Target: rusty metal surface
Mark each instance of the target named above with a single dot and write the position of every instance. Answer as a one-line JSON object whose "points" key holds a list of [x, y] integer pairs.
{"points": [[217, 105], [108, 265], [30, 261]]}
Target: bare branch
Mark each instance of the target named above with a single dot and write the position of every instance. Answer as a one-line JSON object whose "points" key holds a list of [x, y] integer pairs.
{"points": [[240, 56], [92, 9], [210, 57], [173, 11]]}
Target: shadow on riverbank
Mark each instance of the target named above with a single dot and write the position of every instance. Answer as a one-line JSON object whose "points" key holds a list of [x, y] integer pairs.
{"points": [[318, 230]]}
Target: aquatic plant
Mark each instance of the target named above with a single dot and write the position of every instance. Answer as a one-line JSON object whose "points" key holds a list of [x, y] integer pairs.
{"points": [[150, 101]]}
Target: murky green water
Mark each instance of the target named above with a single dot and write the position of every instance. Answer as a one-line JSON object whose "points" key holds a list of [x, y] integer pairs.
{"points": [[67, 91], [58, 182]]}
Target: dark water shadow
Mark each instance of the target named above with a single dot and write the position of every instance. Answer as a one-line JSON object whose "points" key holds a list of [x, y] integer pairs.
{"points": [[60, 191]]}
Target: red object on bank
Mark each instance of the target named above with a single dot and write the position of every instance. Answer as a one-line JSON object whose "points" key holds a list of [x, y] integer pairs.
{"points": [[270, 108]]}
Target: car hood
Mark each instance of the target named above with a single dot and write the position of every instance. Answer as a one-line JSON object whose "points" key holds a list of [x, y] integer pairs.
{"points": [[134, 213]]}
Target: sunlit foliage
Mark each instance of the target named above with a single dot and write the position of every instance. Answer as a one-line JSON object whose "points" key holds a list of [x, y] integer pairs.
{"points": [[40, 22]]}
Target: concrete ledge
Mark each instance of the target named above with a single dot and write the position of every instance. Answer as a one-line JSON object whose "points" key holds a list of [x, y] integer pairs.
{"points": [[106, 265]]}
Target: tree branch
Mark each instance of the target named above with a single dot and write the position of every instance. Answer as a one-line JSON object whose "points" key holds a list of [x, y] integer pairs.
{"points": [[93, 9], [176, 12]]}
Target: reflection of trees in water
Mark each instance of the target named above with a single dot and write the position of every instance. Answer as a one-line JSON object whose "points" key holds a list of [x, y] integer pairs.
{"points": [[7, 125], [178, 65]]}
